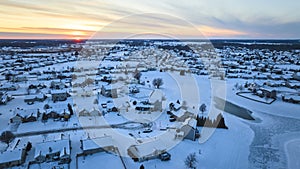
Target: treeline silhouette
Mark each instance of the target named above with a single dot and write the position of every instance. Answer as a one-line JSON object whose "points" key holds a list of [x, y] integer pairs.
{"points": [[219, 122]]}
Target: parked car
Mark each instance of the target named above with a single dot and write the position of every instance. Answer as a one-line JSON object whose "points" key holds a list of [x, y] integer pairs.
{"points": [[172, 119], [148, 130], [165, 156]]}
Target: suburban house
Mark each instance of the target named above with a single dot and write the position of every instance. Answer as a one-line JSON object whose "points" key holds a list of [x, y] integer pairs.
{"points": [[84, 112], [19, 78], [109, 91], [174, 106], [9, 87], [29, 99], [293, 84], [92, 112], [108, 107], [133, 89], [4, 97], [291, 98], [189, 128], [36, 85], [57, 84], [57, 150], [59, 95], [45, 77], [104, 78], [96, 145], [28, 115], [12, 158], [144, 107], [268, 92], [146, 151], [55, 113]]}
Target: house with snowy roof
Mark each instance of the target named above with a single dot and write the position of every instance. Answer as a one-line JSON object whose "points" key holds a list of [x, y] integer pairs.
{"points": [[96, 145], [293, 84], [189, 128], [29, 99], [146, 151], [9, 87], [92, 112], [57, 150], [268, 92], [55, 113], [175, 106], [19, 78], [28, 115], [12, 158], [57, 84], [110, 90], [291, 98], [59, 95], [4, 97]]}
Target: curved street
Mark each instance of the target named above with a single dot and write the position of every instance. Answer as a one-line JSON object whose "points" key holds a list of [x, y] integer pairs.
{"points": [[126, 125]]}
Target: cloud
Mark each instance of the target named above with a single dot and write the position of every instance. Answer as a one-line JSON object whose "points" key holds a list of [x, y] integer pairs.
{"points": [[218, 18], [18, 35]]}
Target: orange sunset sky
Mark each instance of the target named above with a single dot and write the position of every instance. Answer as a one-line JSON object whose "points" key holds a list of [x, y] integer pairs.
{"points": [[81, 19]]}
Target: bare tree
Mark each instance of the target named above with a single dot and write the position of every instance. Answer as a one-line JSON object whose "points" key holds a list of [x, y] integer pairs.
{"points": [[137, 75], [88, 81], [202, 108], [191, 161], [157, 82], [7, 137]]}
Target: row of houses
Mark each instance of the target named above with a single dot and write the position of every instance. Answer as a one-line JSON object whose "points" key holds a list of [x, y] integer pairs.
{"points": [[56, 151], [266, 76], [60, 150], [56, 95], [30, 115]]}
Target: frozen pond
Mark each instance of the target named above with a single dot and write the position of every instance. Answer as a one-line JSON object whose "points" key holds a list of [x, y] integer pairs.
{"points": [[275, 142]]}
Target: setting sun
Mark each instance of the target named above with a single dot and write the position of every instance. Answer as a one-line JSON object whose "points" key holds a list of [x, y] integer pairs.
{"points": [[78, 35]]}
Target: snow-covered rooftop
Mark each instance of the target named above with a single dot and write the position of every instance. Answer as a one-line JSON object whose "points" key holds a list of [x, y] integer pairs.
{"points": [[50, 147], [13, 155], [90, 144]]}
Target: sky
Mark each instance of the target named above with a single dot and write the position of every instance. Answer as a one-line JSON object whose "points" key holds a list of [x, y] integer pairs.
{"points": [[189, 19]]}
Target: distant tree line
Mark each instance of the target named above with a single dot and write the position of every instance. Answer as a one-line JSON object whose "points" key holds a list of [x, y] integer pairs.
{"points": [[38, 43], [290, 44]]}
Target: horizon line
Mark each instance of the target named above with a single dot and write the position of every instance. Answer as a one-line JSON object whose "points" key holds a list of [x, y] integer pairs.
{"points": [[70, 39]]}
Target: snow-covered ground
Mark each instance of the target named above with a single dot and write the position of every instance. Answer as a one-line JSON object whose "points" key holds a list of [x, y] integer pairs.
{"points": [[270, 141]]}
